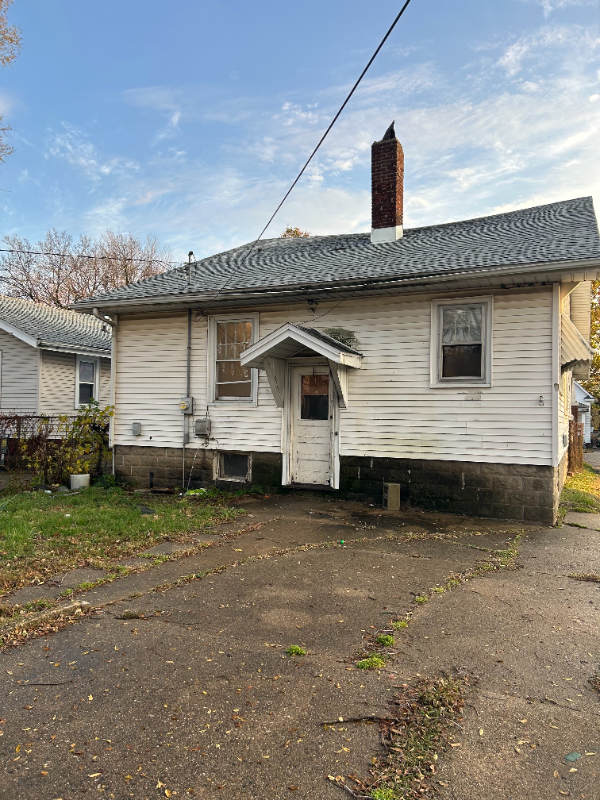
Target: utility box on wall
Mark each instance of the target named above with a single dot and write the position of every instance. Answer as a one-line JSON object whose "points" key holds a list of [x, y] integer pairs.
{"points": [[186, 404], [391, 496], [202, 426]]}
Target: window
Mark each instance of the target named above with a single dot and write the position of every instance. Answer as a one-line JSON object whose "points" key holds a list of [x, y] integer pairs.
{"points": [[230, 337], [314, 397], [461, 342], [86, 386], [234, 466]]}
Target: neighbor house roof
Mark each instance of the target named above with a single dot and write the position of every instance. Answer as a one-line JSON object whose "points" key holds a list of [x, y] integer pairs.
{"points": [[54, 328], [555, 233]]}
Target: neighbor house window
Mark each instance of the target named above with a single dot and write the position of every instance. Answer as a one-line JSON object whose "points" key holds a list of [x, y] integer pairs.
{"points": [[461, 342], [86, 386], [231, 381]]}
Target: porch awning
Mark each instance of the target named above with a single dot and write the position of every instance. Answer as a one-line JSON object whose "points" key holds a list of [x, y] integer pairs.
{"points": [[272, 351], [574, 350], [289, 339]]}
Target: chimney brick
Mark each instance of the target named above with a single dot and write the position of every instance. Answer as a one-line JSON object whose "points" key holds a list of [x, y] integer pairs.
{"points": [[387, 182]]}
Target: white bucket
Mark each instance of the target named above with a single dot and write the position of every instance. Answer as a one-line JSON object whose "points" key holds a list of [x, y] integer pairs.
{"points": [[79, 482]]}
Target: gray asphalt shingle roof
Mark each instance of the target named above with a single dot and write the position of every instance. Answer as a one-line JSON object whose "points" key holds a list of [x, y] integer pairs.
{"points": [[55, 325], [563, 231]]}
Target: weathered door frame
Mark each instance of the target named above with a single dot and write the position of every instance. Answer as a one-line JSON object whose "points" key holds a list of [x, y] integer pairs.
{"points": [[288, 420]]}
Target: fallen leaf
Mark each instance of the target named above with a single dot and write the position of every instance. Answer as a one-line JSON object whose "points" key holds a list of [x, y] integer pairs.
{"points": [[573, 757], [94, 775], [90, 696], [456, 744], [522, 721], [481, 731], [556, 775]]}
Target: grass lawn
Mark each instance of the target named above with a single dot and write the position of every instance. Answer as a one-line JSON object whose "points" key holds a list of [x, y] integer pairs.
{"points": [[42, 534], [582, 491]]}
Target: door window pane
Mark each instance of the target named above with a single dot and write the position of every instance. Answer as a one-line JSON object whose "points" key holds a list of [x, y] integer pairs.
{"points": [[314, 397], [233, 380]]}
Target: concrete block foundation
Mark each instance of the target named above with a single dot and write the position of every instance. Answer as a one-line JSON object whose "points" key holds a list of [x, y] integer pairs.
{"points": [[507, 491]]}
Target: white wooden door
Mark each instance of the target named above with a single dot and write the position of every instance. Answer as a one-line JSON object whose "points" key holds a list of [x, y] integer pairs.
{"points": [[312, 421]]}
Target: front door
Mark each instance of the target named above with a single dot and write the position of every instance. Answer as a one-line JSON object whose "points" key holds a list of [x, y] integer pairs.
{"points": [[312, 423]]}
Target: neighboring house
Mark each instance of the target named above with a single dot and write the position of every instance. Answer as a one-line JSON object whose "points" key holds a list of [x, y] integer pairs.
{"points": [[585, 401], [51, 360], [439, 357]]}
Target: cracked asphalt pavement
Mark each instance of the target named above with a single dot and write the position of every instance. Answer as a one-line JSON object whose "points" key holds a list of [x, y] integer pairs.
{"points": [[190, 693]]}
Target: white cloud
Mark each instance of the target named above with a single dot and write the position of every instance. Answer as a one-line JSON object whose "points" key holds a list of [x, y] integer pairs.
{"points": [[558, 5], [76, 148], [506, 132]]}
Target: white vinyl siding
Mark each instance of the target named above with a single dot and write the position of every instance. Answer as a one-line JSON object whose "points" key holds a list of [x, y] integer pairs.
{"points": [[57, 382], [19, 378], [392, 410], [150, 378]]}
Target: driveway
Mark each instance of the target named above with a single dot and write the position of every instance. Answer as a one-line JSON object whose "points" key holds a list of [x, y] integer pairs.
{"points": [[192, 694]]}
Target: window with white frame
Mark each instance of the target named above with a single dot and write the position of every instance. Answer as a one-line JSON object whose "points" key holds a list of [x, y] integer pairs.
{"points": [[461, 342], [230, 337], [86, 381]]}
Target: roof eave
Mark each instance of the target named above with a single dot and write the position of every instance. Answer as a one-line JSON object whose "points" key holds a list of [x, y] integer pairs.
{"points": [[60, 347], [587, 268]]}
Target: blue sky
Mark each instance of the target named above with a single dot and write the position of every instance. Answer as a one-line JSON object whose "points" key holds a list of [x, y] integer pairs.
{"points": [[188, 119]]}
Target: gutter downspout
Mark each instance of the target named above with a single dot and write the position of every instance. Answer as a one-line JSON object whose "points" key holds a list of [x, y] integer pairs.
{"points": [[188, 372], [107, 320]]}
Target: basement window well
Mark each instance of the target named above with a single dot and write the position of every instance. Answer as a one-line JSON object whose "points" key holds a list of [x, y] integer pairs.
{"points": [[234, 467]]}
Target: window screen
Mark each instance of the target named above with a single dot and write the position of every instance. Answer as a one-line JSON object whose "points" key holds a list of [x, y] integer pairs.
{"points": [[314, 397], [87, 381], [233, 381], [234, 466], [462, 341]]}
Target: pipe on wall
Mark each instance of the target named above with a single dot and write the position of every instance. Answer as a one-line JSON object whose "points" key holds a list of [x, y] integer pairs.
{"points": [[188, 385]]}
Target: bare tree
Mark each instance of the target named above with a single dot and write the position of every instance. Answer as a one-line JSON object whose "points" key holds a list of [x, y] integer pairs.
{"points": [[59, 270], [10, 46]]}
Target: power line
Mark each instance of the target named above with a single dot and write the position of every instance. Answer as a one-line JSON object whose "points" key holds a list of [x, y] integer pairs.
{"points": [[83, 255], [312, 155]]}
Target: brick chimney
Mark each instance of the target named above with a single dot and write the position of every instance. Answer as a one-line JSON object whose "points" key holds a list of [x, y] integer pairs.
{"points": [[387, 188]]}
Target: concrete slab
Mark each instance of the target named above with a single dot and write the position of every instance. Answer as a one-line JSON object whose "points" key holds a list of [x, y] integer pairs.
{"points": [[165, 549], [76, 577], [198, 691], [591, 521], [28, 594]]}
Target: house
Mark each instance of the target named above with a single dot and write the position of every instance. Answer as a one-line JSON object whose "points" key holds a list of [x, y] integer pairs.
{"points": [[52, 360], [439, 357], [584, 401]]}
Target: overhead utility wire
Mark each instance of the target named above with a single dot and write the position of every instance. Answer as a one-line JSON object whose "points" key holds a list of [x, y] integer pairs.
{"points": [[83, 255], [314, 152]]}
